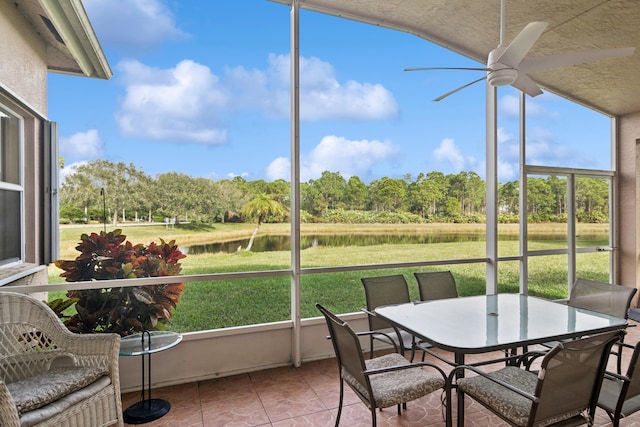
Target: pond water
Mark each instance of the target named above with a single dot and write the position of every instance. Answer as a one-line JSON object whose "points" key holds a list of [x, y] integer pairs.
{"points": [[283, 243]]}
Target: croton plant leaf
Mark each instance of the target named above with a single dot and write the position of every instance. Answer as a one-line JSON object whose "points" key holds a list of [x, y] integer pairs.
{"points": [[123, 310]]}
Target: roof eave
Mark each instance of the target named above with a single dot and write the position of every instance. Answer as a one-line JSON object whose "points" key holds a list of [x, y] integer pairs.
{"points": [[80, 52]]}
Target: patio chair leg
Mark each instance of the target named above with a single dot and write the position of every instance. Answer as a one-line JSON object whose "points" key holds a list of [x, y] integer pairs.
{"points": [[371, 347], [448, 406], [340, 402], [615, 419], [373, 416], [619, 364], [618, 354]]}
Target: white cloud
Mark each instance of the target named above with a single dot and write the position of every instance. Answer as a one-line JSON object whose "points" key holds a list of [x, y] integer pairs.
{"points": [[542, 149], [82, 146], [185, 103], [337, 154], [449, 152], [133, 25], [232, 175], [279, 168], [178, 104], [504, 136], [322, 96], [508, 149], [69, 169], [508, 171], [510, 105]]}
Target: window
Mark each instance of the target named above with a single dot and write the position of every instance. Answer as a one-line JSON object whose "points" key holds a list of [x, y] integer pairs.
{"points": [[11, 189]]}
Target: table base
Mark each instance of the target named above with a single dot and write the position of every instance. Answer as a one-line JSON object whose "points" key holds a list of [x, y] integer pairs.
{"points": [[146, 411]]}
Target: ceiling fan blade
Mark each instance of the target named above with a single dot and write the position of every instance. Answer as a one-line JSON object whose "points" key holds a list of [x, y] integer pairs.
{"points": [[521, 44], [441, 97], [532, 65], [526, 85], [446, 68]]}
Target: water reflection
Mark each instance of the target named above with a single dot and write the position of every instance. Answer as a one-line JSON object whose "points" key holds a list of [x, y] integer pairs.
{"points": [[283, 243]]}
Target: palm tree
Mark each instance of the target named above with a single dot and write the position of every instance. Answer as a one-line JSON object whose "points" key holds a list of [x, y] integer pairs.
{"points": [[261, 206]]}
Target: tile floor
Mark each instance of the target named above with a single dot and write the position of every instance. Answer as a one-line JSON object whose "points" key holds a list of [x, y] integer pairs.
{"points": [[306, 396]]}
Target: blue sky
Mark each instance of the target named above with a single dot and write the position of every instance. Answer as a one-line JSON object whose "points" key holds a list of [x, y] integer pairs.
{"points": [[202, 88]]}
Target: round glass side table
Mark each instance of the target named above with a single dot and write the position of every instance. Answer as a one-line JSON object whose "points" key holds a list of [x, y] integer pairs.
{"points": [[143, 345]]}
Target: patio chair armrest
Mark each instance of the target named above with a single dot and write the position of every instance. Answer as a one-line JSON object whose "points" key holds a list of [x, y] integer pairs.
{"points": [[527, 359], [617, 377], [430, 365], [370, 313], [395, 328], [461, 368], [380, 335], [367, 333], [625, 345], [94, 349]]}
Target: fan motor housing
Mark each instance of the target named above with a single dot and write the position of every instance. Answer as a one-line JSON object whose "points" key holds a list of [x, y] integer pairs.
{"points": [[502, 75]]}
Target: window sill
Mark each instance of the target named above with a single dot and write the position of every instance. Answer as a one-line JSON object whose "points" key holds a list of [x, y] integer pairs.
{"points": [[16, 272]]}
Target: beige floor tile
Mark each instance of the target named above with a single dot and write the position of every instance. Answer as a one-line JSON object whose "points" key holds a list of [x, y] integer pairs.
{"points": [[308, 397]]}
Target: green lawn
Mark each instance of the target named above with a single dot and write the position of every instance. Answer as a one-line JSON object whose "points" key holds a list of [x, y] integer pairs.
{"points": [[225, 303]]}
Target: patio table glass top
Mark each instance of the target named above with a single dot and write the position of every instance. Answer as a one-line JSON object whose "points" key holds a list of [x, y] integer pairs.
{"points": [[485, 323]]}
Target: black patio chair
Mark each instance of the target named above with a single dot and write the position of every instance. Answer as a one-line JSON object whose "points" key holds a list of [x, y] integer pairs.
{"points": [[605, 298], [434, 285], [380, 382], [387, 290], [564, 391], [620, 394]]}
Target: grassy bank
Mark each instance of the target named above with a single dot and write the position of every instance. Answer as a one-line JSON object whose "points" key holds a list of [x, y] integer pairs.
{"points": [[224, 303]]}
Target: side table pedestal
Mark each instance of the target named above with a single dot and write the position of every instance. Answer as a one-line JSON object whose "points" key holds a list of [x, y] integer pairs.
{"points": [[143, 345], [146, 411]]}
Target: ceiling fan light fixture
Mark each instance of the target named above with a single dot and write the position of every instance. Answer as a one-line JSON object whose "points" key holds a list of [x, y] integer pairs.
{"points": [[502, 76]]}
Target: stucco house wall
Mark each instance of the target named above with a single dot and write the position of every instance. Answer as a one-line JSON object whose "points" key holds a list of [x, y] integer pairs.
{"points": [[23, 88], [23, 68]]}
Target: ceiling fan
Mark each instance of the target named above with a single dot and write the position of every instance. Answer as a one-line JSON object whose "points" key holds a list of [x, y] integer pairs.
{"points": [[508, 65]]}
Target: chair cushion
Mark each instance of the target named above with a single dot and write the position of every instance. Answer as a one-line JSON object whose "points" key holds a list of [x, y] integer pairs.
{"points": [[392, 388], [96, 390], [503, 401], [49, 386]]}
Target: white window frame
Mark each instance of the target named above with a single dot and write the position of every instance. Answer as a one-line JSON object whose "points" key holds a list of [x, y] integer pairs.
{"points": [[16, 187]]}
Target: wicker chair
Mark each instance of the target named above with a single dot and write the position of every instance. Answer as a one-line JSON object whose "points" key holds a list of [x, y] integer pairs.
{"points": [[386, 290], [380, 382], [563, 392], [436, 285], [50, 376]]}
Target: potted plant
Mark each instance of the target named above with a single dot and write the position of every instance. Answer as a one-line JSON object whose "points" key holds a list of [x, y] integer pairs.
{"points": [[123, 310]]}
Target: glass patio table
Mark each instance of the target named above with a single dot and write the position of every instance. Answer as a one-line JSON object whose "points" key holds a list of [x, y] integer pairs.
{"points": [[486, 323]]}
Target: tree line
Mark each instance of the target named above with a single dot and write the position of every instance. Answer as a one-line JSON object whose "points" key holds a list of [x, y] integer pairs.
{"points": [[116, 192]]}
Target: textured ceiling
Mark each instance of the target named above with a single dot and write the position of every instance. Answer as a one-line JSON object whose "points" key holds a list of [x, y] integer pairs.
{"points": [[472, 28]]}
